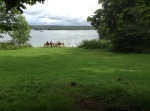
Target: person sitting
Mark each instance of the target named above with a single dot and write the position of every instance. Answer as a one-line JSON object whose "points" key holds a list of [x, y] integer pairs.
{"points": [[47, 43], [51, 44], [59, 43]]}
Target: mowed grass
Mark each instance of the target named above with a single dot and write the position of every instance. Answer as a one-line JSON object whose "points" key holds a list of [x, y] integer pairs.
{"points": [[73, 79]]}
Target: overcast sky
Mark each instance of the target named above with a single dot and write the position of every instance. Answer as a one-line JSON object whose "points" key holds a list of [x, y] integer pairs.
{"points": [[61, 12]]}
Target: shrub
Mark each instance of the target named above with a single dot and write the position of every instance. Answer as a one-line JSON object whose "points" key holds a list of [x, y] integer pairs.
{"points": [[9, 45], [95, 44]]}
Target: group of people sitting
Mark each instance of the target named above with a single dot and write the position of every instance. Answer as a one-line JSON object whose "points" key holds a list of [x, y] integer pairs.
{"points": [[52, 44]]}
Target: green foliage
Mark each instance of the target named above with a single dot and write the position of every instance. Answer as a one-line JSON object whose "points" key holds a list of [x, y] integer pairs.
{"points": [[9, 45], [95, 44], [125, 23], [8, 20], [97, 21], [22, 35], [15, 24], [20, 4], [132, 39]]}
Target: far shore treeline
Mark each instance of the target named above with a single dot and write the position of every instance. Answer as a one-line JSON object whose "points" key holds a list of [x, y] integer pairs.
{"points": [[57, 27]]}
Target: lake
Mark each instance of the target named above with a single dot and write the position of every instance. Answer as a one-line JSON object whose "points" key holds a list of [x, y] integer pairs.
{"points": [[71, 38]]}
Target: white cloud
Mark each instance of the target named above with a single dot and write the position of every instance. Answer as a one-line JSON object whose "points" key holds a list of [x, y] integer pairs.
{"points": [[61, 12]]}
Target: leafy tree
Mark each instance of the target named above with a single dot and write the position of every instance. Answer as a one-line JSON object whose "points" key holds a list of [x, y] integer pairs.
{"points": [[20, 4], [8, 20], [21, 35], [14, 23], [125, 22]]}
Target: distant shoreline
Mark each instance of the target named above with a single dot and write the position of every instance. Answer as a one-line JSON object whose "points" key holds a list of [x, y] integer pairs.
{"points": [[53, 27]]}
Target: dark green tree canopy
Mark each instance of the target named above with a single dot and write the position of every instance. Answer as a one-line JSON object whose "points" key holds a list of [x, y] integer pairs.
{"points": [[19, 4], [125, 22]]}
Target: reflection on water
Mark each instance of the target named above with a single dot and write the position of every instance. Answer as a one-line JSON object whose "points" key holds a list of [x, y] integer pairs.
{"points": [[69, 37]]}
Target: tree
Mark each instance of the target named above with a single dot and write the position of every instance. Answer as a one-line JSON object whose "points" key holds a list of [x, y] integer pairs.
{"points": [[125, 22], [21, 35], [14, 23], [8, 20], [20, 4]]}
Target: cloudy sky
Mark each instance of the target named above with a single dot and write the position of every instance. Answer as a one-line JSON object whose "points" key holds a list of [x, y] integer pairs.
{"points": [[61, 12]]}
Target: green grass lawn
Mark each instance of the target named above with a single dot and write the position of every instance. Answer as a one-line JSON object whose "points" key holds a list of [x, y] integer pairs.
{"points": [[73, 79]]}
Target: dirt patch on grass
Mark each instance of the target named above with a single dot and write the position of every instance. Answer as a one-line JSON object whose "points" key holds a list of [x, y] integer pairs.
{"points": [[90, 103], [97, 104]]}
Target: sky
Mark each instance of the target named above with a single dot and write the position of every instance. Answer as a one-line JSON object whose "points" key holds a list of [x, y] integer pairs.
{"points": [[61, 12]]}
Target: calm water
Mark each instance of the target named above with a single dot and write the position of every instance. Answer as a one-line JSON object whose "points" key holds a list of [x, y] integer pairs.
{"points": [[69, 37]]}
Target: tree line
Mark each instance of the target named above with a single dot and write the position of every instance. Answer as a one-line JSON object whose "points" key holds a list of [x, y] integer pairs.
{"points": [[54, 27]]}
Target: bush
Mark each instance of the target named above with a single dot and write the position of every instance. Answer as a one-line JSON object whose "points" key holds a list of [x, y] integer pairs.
{"points": [[95, 44], [9, 45], [132, 38]]}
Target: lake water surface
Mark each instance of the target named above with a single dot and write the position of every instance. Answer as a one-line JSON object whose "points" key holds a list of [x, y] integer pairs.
{"points": [[69, 37]]}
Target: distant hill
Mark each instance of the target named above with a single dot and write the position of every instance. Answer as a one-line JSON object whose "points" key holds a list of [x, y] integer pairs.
{"points": [[53, 27]]}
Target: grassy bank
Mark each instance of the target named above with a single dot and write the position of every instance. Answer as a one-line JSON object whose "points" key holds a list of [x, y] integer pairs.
{"points": [[72, 79]]}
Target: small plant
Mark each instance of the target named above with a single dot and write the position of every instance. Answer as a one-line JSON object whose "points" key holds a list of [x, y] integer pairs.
{"points": [[73, 83], [119, 79]]}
